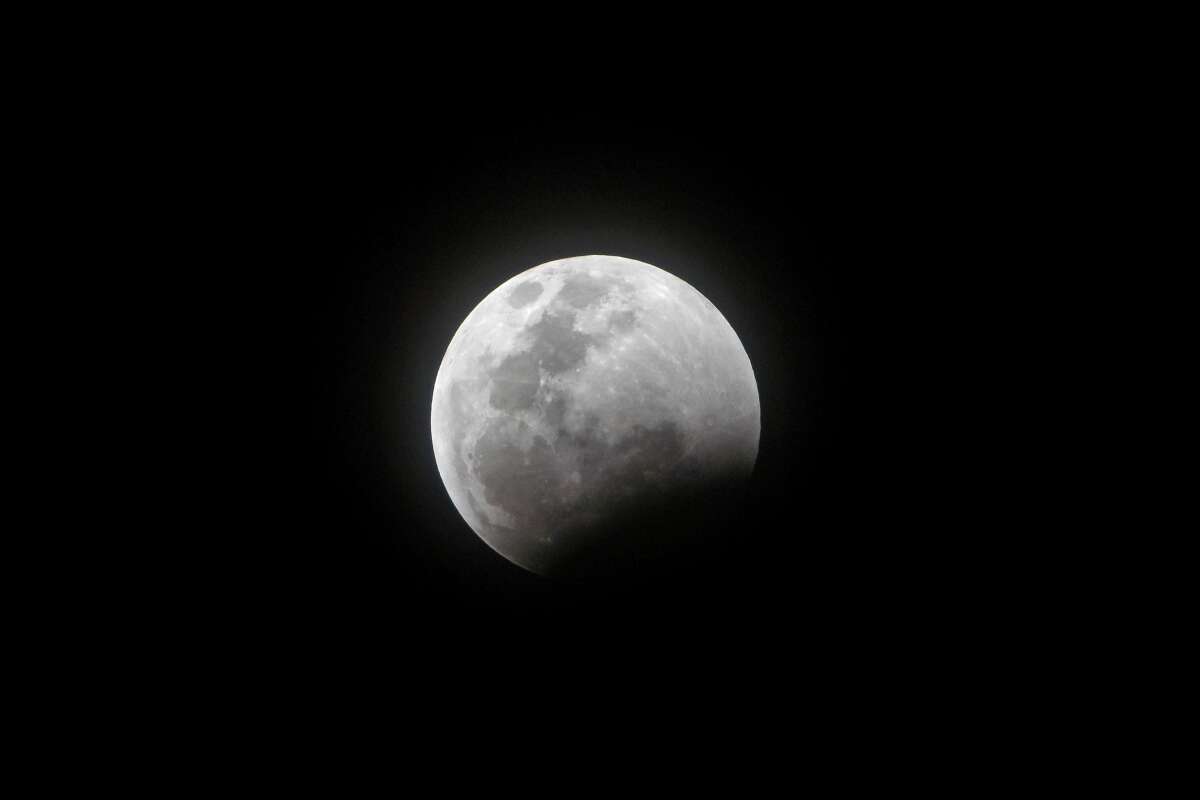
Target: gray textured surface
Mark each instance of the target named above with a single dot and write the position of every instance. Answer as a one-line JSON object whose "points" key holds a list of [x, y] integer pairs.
{"points": [[582, 389]]}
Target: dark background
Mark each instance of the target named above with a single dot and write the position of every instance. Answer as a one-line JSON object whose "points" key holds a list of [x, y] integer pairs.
{"points": [[820, 228], [855, 211]]}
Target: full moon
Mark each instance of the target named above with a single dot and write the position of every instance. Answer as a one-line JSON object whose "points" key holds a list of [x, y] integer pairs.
{"points": [[590, 416]]}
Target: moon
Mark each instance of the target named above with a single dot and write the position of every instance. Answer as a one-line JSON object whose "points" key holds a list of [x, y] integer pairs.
{"points": [[590, 414]]}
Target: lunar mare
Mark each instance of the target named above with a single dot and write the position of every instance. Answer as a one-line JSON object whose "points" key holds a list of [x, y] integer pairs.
{"points": [[582, 393]]}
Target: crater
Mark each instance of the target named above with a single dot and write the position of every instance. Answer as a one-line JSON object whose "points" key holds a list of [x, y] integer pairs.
{"points": [[524, 294]]}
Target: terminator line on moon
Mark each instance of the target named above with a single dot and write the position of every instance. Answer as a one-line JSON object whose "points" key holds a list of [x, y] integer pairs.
{"points": [[580, 391]]}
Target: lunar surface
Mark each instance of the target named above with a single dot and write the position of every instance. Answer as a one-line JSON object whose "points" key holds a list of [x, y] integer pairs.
{"points": [[589, 412]]}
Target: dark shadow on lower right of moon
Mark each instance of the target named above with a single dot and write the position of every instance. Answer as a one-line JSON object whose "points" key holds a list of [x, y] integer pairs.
{"points": [[676, 535]]}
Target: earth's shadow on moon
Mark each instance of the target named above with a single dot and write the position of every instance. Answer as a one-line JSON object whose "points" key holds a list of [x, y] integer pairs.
{"points": [[679, 535]]}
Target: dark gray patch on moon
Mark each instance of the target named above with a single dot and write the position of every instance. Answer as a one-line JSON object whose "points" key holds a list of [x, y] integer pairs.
{"points": [[459, 417], [581, 290], [556, 345], [622, 321], [584, 438], [512, 479], [554, 408], [525, 294], [514, 382]]}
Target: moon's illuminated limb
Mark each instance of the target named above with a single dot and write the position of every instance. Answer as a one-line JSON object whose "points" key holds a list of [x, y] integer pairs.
{"points": [[578, 390]]}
